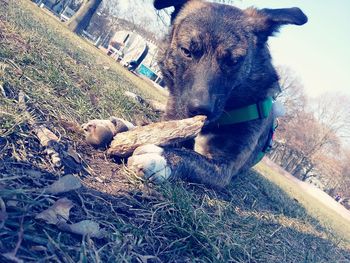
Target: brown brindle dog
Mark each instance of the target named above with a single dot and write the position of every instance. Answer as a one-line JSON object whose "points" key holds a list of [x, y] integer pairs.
{"points": [[216, 60]]}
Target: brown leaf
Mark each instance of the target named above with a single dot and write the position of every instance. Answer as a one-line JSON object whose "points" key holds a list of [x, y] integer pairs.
{"points": [[85, 227], [58, 212], [45, 136], [73, 154], [65, 184], [38, 248]]}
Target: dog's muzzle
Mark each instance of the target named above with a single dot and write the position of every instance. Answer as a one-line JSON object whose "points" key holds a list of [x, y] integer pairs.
{"points": [[197, 107]]}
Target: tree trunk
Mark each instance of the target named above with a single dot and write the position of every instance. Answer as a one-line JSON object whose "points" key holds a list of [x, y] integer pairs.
{"points": [[303, 163], [306, 174], [285, 157], [290, 161], [81, 19]]}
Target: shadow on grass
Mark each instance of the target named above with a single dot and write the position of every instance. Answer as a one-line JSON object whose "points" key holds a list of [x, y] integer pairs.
{"points": [[253, 221]]}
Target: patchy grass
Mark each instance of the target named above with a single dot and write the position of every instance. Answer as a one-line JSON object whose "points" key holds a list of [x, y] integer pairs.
{"points": [[67, 81], [335, 222]]}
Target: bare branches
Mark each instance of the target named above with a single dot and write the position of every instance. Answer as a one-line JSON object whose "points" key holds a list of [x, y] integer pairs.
{"points": [[332, 111], [311, 135]]}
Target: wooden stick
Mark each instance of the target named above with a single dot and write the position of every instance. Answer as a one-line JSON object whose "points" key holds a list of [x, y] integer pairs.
{"points": [[160, 133]]}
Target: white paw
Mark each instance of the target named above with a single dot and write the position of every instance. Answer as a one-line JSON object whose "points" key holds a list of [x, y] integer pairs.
{"points": [[148, 161]]}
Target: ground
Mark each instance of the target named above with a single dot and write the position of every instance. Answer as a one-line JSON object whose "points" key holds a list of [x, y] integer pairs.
{"points": [[67, 81]]}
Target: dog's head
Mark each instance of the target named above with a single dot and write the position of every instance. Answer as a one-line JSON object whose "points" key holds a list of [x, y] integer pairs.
{"points": [[216, 57]]}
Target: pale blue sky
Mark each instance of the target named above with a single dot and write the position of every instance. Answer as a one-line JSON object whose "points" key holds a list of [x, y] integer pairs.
{"points": [[318, 52]]}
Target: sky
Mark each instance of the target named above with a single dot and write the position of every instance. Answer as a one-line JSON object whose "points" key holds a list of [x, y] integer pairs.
{"points": [[318, 52]]}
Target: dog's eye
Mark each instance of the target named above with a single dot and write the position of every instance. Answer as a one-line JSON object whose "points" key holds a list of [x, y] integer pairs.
{"points": [[229, 62], [186, 52]]}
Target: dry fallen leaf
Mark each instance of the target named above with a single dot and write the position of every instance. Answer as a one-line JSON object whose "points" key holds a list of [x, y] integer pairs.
{"points": [[45, 136], [73, 154], [85, 227], [12, 203], [38, 248], [58, 212], [64, 184]]}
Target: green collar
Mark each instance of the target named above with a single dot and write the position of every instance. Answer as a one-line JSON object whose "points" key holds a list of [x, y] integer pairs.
{"points": [[260, 110]]}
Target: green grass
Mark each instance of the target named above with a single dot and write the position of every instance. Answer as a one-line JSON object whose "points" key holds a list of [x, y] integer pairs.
{"points": [[68, 81], [315, 208]]}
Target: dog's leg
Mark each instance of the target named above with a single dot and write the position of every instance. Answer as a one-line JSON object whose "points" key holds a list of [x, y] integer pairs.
{"points": [[159, 164]]}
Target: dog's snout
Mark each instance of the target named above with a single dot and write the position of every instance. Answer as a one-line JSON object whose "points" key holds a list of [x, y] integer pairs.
{"points": [[197, 107]]}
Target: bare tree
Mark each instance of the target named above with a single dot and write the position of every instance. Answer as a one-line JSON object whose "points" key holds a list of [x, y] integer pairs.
{"points": [[82, 17], [332, 111], [292, 93], [309, 133], [344, 180], [110, 8]]}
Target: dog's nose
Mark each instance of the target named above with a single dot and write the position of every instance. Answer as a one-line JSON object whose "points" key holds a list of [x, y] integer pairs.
{"points": [[199, 108]]}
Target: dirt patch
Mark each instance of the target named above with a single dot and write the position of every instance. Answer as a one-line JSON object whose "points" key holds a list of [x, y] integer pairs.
{"points": [[106, 175]]}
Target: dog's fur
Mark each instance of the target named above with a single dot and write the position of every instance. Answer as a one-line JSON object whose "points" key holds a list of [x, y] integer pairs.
{"points": [[215, 59]]}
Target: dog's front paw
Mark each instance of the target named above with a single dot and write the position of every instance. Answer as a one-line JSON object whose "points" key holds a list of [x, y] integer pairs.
{"points": [[148, 161]]}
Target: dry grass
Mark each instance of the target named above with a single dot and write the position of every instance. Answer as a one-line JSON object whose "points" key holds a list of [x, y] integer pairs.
{"points": [[67, 82], [335, 222]]}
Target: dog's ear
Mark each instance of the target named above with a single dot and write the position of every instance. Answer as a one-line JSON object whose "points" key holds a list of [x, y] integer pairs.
{"points": [[285, 16], [177, 4], [268, 21]]}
